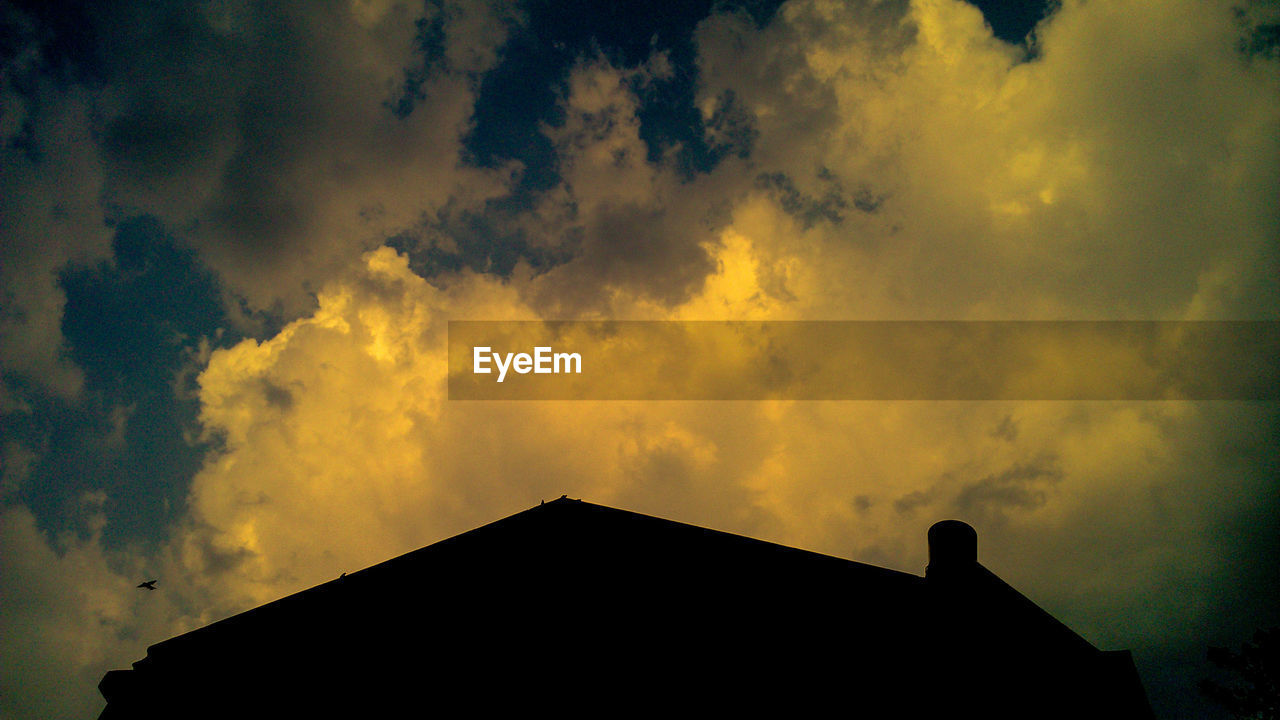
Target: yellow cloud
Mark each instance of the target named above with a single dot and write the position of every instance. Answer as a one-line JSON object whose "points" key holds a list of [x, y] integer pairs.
{"points": [[340, 422]]}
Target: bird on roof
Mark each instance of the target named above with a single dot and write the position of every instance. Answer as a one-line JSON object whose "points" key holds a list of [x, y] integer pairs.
{"points": [[150, 585]]}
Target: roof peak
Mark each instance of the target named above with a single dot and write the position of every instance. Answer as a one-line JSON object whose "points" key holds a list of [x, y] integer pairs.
{"points": [[560, 501]]}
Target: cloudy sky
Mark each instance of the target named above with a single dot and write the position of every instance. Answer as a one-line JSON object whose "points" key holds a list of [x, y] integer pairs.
{"points": [[232, 235]]}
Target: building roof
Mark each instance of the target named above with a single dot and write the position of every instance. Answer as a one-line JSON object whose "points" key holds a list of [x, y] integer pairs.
{"points": [[608, 610]]}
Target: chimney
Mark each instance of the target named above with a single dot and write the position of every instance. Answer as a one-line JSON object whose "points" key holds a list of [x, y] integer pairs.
{"points": [[953, 549]]}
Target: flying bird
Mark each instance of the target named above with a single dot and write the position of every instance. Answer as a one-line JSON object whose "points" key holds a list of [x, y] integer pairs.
{"points": [[150, 585]]}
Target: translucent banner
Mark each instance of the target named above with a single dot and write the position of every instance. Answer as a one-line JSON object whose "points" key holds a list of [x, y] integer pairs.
{"points": [[855, 360]]}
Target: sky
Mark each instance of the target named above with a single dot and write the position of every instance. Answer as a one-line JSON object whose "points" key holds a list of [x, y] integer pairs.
{"points": [[232, 235]]}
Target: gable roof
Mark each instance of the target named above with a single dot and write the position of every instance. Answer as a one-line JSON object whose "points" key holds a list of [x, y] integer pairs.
{"points": [[630, 605]]}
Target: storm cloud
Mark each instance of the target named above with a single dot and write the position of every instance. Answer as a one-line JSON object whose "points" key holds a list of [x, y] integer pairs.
{"points": [[234, 235]]}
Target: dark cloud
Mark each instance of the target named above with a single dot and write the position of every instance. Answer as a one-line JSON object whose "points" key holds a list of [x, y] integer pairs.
{"points": [[430, 42], [131, 325], [831, 206], [908, 503], [518, 96], [489, 240], [1259, 24], [190, 192], [1019, 488], [281, 152], [128, 320], [730, 130], [56, 38], [638, 250], [50, 215], [277, 397], [1007, 429]]}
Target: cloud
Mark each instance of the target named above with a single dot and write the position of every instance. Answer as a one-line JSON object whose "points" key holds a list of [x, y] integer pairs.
{"points": [[273, 146], [633, 229], [1018, 487], [989, 182], [902, 164], [1129, 481], [876, 161], [70, 614], [408, 466], [1045, 189], [264, 137], [50, 215]]}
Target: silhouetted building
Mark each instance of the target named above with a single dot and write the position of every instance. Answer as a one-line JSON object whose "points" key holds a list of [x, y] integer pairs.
{"points": [[575, 609]]}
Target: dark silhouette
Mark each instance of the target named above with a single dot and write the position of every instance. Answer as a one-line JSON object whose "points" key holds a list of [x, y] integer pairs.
{"points": [[150, 585], [639, 616], [1254, 690]]}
